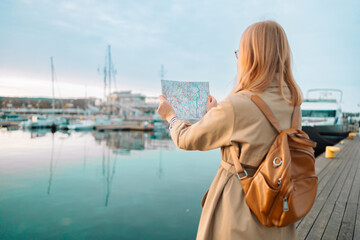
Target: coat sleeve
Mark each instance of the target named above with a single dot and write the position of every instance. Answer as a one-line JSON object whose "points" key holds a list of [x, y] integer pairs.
{"points": [[214, 130]]}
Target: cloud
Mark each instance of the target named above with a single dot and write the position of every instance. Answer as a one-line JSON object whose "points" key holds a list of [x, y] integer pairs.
{"points": [[195, 40]]}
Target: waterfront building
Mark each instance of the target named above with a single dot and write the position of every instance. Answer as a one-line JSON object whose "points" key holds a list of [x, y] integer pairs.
{"points": [[130, 104]]}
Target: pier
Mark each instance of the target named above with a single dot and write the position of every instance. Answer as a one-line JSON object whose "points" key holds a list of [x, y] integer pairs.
{"points": [[122, 128], [336, 211]]}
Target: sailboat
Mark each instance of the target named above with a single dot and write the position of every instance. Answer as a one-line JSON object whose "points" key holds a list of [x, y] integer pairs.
{"points": [[108, 73], [51, 122]]}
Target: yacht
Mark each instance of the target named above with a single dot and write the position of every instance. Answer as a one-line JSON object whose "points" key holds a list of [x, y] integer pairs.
{"points": [[322, 117]]}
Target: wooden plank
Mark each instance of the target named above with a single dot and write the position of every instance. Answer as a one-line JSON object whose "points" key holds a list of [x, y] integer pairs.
{"points": [[323, 172], [332, 229], [329, 174], [327, 186], [348, 223], [303, 230], [333, 165], [305, 225], [326, 170], [357, 224], [322, 219], [323, 178], [357, 221]]}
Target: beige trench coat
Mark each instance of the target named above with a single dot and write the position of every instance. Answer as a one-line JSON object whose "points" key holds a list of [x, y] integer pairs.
{"points": [[235, 121]]}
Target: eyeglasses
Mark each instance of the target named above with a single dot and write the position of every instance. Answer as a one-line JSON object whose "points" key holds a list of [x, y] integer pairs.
{"points": [[237, 54]]}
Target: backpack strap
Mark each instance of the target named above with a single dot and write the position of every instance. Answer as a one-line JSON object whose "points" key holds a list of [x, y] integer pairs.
{"points": [[264, 109], [239, 169], [271, 118], [295, 117]]}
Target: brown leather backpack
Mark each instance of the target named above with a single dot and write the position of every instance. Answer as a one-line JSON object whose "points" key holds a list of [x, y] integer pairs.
{"points": [[283, 189]]}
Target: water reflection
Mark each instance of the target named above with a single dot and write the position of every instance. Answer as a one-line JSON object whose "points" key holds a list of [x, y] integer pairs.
{"points": [[52, 163], [123, 142], [113, 144], [108, 174], [84, 154], [108, 185], [120, 141], [160, 172]]}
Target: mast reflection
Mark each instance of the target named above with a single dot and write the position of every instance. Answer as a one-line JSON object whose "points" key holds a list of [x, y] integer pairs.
{"points": [[113, 144], [121, 143], [124, 142]]}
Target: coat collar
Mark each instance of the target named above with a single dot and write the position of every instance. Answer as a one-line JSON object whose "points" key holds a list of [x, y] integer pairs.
{"points": [[275, 81]]}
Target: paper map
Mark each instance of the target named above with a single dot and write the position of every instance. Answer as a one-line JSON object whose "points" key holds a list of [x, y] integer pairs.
{"points": [[187, 98]]}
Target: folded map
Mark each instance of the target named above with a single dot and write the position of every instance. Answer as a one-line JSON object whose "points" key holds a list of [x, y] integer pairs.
{"points": [[187, 98]]}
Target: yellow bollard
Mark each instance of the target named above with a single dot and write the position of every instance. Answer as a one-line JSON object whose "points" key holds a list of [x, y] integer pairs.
{"points": [[342, 142], [330, 151], [352, 135]]}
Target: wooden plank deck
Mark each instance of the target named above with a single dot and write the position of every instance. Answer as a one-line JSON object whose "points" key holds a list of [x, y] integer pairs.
{"points": [[336, 211], [123, 128]]}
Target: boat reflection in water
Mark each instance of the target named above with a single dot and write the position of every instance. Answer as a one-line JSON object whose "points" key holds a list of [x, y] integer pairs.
{"points": [[121, 143], [113, 144], [124, 142], [100, 185]]}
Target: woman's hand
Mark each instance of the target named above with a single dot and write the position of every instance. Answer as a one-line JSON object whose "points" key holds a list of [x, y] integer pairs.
{"points": [[211, 102], [165, 110]]}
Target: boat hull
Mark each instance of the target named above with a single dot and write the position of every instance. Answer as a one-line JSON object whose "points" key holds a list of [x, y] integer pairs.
{"points": [[326, 135]]}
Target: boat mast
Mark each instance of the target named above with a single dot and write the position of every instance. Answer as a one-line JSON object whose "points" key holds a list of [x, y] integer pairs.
{"points": [[105, 71], [109, 73], [86, 100], [110, 68], [53, 90]]}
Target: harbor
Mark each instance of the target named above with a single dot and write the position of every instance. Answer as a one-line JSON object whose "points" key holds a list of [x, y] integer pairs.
{"points": [[116, 111], [78, 183], [119, 120], [112, 163]]}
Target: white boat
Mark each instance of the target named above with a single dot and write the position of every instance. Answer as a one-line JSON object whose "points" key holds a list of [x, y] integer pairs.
{"points": [[322, 110], [322, 117], [86, 125], [106, 120], [43, 122]]}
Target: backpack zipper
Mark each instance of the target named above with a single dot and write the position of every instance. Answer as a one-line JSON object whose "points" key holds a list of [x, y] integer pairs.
{"points": [[285, 200], [300, 150], [285, 205], [303, 177]]}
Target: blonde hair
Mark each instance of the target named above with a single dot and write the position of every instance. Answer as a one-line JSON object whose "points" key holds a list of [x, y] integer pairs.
{"points": [[264, 51]]}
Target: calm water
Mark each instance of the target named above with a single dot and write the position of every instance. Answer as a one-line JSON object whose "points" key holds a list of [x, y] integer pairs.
{"points": [[119, 185]]}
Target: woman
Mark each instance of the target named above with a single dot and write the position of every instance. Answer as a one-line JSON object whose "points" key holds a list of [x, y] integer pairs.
{"points": [[263, 69]]}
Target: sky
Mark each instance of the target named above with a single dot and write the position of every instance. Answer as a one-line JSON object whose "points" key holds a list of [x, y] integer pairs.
{"points": [[195, 40]]}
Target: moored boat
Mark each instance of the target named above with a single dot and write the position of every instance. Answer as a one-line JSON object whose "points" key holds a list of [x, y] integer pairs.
{"points": [[37, 122], [322, 118]]}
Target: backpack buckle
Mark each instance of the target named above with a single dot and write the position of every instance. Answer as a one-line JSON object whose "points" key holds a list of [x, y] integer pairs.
{"points": [[239, 177]]}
